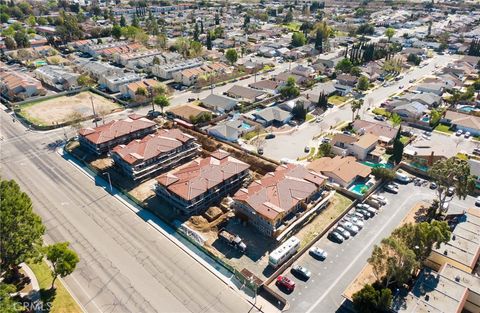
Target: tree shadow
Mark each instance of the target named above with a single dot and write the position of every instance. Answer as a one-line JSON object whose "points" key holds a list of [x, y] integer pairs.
{"points": [[47, 296]]}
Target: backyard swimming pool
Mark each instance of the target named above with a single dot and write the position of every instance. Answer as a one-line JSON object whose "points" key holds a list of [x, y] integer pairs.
{"points": [[246, 126], [467, 109], [376, 165], [361, 187]]}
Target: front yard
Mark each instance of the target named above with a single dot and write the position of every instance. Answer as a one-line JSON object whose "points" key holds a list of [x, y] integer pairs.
{"points": [[337, 100], [444, 129]]}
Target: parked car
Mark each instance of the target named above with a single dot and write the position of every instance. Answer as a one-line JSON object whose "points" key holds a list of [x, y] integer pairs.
{"points": [[459, 132], [319, 253], [467, 135], [307, 149], [427, 133], [477, 201], [352, 229], [357, 221], [365, 214], [325, 140], [336, 237], [380, 118], [380, 199], [153, 114], [433, 185], [260, 151], [367, 208], [450, 191], [343, 232], [391, 188], [285, 282], [476, 151], [270, 136], [301, 272]]}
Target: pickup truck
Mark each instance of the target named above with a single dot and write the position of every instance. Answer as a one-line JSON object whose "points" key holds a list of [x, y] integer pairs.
{"points": [[233, 240]]}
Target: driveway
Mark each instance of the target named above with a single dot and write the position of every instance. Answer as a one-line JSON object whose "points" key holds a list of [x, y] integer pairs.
{"points": [[323, 291], [442, 144]]}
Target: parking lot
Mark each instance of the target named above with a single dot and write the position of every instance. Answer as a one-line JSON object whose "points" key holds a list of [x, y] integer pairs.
{"points": [[442, 144], [330, 277]]}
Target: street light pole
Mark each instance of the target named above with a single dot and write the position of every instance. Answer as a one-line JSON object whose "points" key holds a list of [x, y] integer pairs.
{"points": [[93, 109], [109, 180]]}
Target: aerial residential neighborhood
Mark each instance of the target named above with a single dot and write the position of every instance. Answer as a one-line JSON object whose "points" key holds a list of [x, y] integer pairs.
{"points": [[240, 156]]}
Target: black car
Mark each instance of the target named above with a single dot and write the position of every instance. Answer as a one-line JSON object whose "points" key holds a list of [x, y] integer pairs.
{"points": [[153, 114], [270, 136], [335, 237]]}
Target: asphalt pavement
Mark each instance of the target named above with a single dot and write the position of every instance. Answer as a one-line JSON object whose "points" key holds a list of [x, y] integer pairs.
{"points": [[330, 277], [125, 264]]}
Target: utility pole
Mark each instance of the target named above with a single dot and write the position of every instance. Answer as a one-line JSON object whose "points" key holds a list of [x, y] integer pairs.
{"points": [[93, 109]]}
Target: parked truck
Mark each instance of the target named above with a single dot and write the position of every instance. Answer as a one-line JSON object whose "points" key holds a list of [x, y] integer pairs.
{"points": [[233, 240]]}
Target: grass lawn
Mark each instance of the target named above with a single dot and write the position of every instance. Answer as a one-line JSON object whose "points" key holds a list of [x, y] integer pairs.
{"points": [[337, 100], [443, 129], [252, 134], [60, 298], [293, 26], [310, 117], [381, 111], [404, 140], [309, 155], [318, 223]]}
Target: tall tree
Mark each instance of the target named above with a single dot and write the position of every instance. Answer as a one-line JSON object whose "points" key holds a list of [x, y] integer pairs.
{"points": [[370, 300], [21, 229], [363, 83], [290, 90], [356, 106], [123, 21], [319, 41], [322, 101], [231, 55], [162, 102], [209, 41], [451, 172], [389, 32], [395, 119], [398, 148], [63, 259]]}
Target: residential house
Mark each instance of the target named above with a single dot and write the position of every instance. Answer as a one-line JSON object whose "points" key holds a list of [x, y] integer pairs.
{"points": [[97, 69], [229, 130], [363, 147], [188, 112], [161, 151], [201, 183], [130, 90], [386, 134], [284, 76], [220, 104], [272, 116], [105, 137], [266, 85], [435, 88], [303, 101], [410, 111], [429, 99], [462, 121], [165, 71], [245, 94], [347, 80], [305, 71], [270, 202], [19, 86], [343, 171], [327, 88], [58, 77], [190, 76], [115, 81]]}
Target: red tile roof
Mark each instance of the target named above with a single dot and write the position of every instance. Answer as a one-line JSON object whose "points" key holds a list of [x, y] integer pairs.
{"points": [[278, 192], [151, 146], [116, 129], [202, 174]]}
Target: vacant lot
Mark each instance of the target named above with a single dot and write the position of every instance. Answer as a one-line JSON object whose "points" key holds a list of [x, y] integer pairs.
{"points": [[59, 110]]}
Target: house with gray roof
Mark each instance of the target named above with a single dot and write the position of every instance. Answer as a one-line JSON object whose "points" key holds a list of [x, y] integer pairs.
{"points": [[272, 116], [410, 111], [435, 88], [228, 130], [426, 98], [220, 104], [245, 94]]}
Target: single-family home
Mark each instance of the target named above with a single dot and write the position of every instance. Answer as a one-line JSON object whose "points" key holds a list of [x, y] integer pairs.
{"points": [[362, 147], [435, 88], [188, 112], [269, 202], [411, 111], [218, 103], [307, 104], [266, 85], [340, 170], [245, 94], [272, 116], [230, 130], [193, 187], [462, 121], [347, 80], [19, 86], [385, 133]]}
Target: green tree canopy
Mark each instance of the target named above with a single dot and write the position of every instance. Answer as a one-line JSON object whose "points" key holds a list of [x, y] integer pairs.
{"points": [[231, 55], [290, 90], [298, 39], [21, 229], [389, 32], [363, 83], [63, 259], [371, 300], [162, 101], [345, 65]]}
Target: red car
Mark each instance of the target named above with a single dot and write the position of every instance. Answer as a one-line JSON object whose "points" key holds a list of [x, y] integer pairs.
{"points": [[285, 282]]}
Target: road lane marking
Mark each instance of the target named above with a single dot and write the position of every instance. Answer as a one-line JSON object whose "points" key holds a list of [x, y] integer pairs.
{"points": [[366, 247]]}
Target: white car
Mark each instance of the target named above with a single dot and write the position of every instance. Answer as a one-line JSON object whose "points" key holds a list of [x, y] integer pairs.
{"points": [[380, 199], [391, 188], [467, 135], [319, 253], [477, 201], [356, 221], [352, 229], [343, 232], [459, 132]]}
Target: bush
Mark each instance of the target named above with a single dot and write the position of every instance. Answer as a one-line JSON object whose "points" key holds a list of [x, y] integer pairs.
{"points": [[371, 300], [383, 173]]}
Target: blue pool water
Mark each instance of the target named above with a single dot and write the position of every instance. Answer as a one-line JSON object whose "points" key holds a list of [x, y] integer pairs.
{"points": [[425, 119], [375, 165], [467, 109], [358, 188], [246, 126]]}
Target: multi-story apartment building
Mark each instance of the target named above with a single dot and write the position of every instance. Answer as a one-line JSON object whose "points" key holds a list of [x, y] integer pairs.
{"points": [[195, 186], [115, 81], [269, 202], [165, 71], [103, 138], [157, 152], [58, 77]]}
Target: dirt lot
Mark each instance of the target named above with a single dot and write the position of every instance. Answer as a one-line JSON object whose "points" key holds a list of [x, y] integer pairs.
{"points": [[58, 110]]}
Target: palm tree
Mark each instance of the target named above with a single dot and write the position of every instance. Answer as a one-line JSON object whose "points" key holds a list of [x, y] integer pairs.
{"points": [[161, 101], [395, 119], [356, 105]]}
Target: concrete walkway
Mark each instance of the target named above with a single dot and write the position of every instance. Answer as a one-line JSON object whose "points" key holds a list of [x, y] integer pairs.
{"points": [[34, 294]]}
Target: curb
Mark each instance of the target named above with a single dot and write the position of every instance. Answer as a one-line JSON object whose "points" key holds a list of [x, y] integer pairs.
{"points": [[160, 227]]}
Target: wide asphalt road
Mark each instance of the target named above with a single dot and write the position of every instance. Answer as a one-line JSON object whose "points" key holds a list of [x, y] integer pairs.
{"points": [[125, 264]]}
